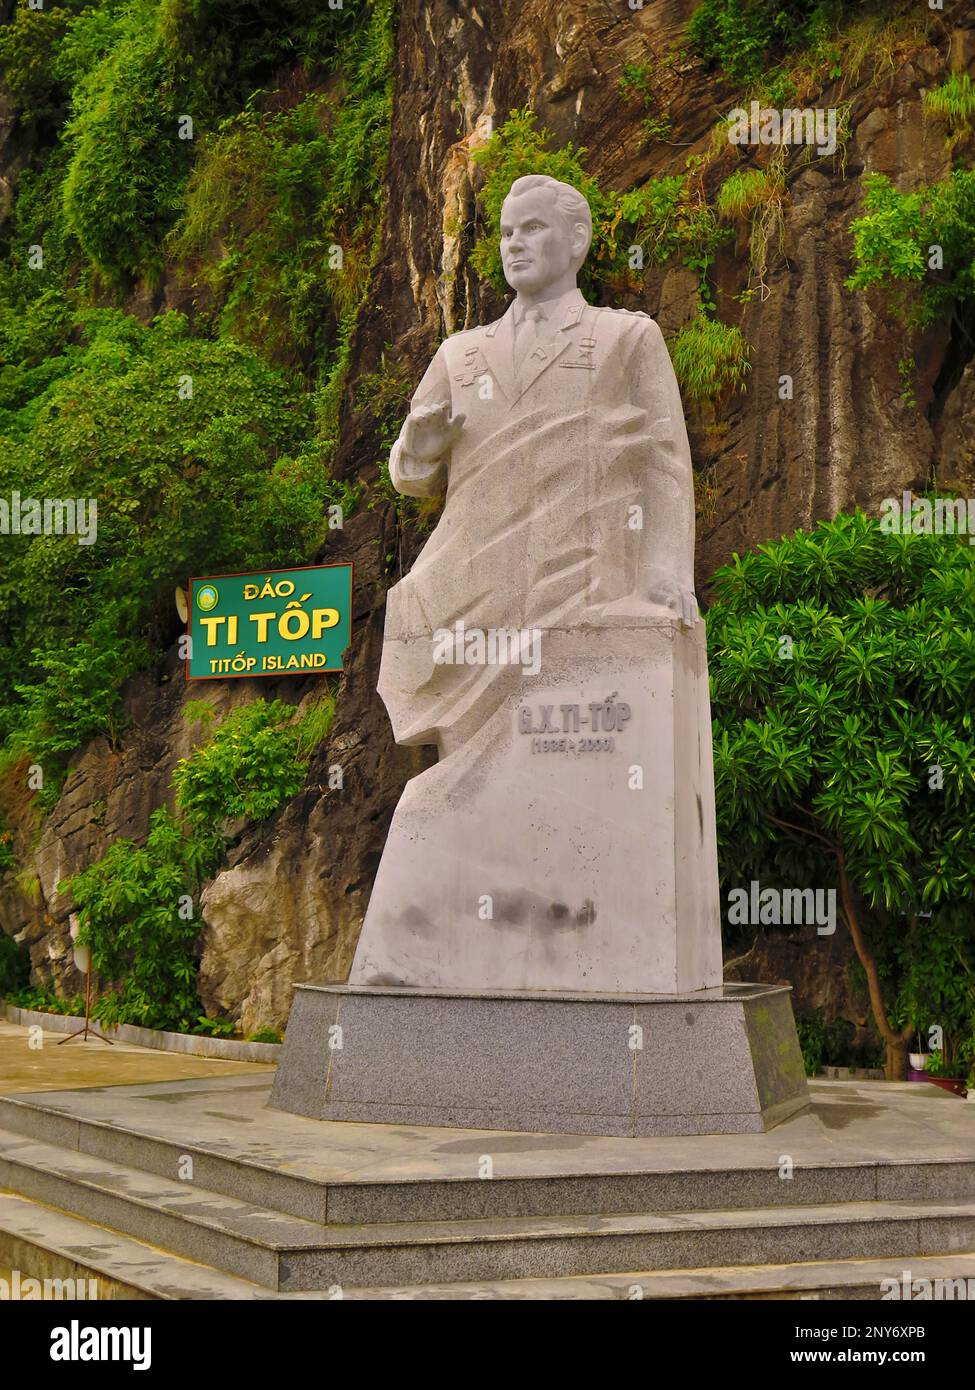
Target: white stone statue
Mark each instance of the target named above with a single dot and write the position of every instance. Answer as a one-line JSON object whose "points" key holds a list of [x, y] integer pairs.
{"points": [[547, 641]]}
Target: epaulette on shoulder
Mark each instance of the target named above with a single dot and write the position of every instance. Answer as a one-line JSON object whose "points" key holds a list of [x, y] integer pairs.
{"points": [[637, 314]]}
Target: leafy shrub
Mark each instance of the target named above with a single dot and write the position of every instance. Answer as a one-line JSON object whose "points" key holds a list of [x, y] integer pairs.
{"points": [[136, 911], [892, 242], [825, 751], [214, 1027], [137, 905], [14, 966], [830, 1044], [29, 46], [45, 1001], [251, 765]]}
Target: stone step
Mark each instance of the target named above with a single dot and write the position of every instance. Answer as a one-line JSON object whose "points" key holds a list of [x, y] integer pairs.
{"points": [[45, 1243], [237, 1237], [825, 1280], [270, 1180], [289, 1253], [42, 1242]]}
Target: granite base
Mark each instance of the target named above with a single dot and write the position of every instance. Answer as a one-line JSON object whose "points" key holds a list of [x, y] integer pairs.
{"points": [[717, 1061]]}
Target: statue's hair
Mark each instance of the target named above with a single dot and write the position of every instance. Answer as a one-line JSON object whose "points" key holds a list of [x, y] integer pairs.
{"points": [[569, 201]]}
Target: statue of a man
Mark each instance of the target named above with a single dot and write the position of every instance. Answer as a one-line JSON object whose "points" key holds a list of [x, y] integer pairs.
{"points": [[563, 559]]}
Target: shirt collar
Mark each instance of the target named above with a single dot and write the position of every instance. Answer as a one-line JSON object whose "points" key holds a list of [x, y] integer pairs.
{"points": [[554, 310]]}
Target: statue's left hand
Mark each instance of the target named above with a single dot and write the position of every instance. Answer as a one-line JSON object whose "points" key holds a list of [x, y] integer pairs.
{"points": [[678, 597], [663, 591]]}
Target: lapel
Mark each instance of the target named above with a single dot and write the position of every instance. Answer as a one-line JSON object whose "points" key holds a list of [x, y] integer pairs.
{"points": [[497, 345], [549, 350]]}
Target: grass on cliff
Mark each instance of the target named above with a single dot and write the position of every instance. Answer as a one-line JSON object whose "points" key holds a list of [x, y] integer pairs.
{"points": [[793, 48]]}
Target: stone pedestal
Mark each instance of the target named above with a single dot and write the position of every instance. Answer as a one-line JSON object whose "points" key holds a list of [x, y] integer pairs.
{"points": [[569, 843], [716, 1061]]}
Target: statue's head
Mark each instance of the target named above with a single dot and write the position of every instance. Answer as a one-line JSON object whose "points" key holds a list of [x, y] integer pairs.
{"points": [[546, 231]]}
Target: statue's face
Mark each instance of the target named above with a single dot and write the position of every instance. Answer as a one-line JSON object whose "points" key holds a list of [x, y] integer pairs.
{"points": [[537, 246]]}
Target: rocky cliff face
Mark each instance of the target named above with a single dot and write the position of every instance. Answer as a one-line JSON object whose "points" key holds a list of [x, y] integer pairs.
{"points": [[288, 904]]}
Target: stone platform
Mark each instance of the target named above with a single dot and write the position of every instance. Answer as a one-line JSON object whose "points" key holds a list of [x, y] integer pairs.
{"points": [[880, 1178], [718, 1061]]}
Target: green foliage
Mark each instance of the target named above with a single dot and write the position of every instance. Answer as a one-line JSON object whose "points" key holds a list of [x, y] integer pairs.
{"points": [[825, 749], [745, 190], [138, 70], [710, 358], [254, 762], [744, 38], [45, 1001], [136, 913], [214, 1027], [954, 100], [137, 904], [830, 1044], [669, 218], [293, 199], [14, 966], [934, 966], [7, 856], [892, 242], [938, 1064], [184, 484], [30, 46], [127, 158], [265, 1035]]}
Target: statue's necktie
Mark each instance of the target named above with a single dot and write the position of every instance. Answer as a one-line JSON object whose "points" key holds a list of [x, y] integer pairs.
{"points": [[528, 334]]}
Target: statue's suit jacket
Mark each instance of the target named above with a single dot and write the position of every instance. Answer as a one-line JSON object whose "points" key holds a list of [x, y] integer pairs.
{"points": [[570, 479]]}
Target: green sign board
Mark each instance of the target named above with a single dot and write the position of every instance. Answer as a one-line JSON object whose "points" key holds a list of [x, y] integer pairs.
{"points": [[275, 623]]}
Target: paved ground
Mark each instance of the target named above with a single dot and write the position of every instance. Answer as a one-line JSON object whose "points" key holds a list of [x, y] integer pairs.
{"points": [[93, 1063], [872, 1122]]}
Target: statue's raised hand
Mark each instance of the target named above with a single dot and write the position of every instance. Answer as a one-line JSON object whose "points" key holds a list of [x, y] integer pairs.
{"points": [[430, 431]]}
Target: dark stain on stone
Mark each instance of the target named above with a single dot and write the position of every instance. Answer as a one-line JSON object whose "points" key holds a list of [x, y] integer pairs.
{"points": [[839, 1116], [509, 907], [700, 818], [386, 980], [417, 920], [690, 1017], [558, 911], [586, 914]]}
